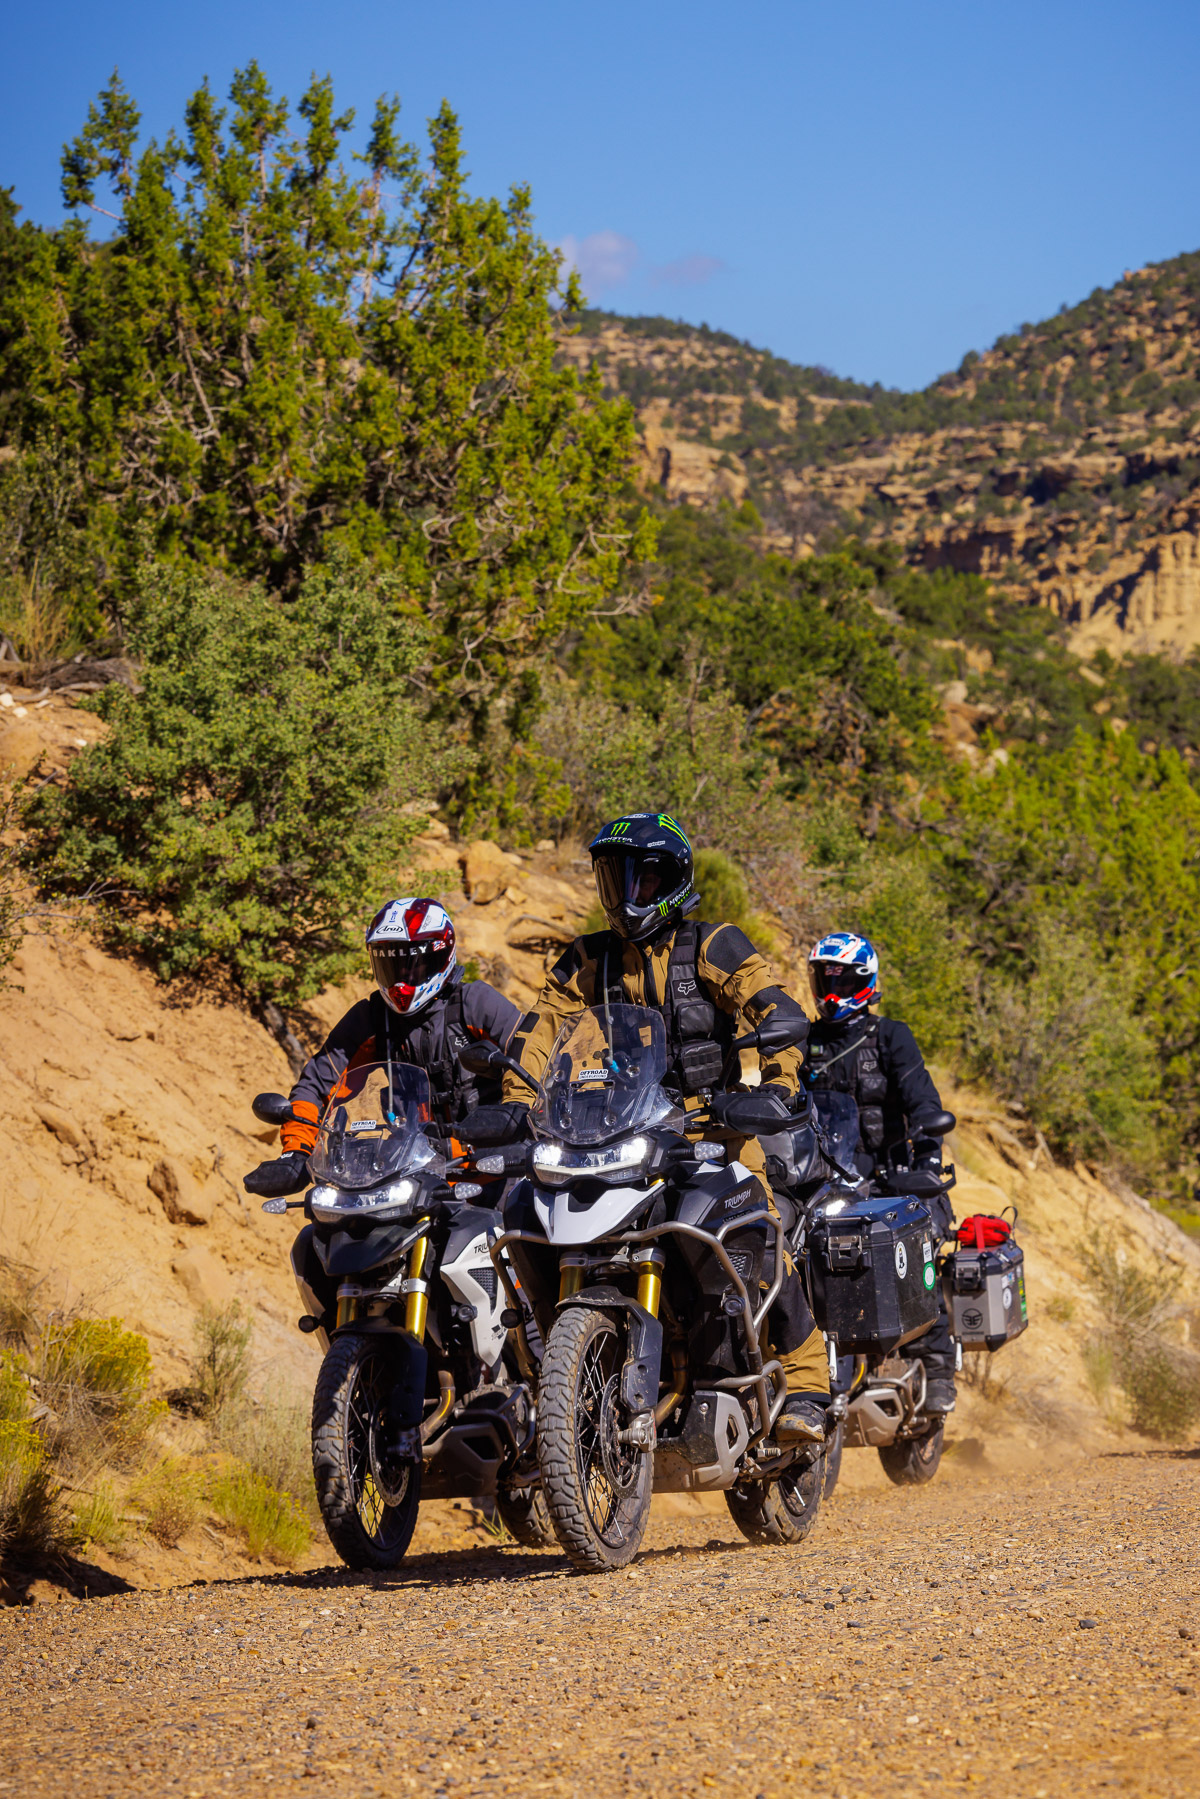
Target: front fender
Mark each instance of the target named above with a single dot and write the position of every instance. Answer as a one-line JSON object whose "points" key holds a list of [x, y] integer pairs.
{"points": [[641, 1375]]}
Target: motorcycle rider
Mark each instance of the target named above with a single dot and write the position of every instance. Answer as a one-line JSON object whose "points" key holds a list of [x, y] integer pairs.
{"points": [[423, 1012], [877, 1061], [701, 978]]}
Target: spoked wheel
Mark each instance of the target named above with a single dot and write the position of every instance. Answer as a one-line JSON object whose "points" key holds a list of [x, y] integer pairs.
{"points": [[525, 1516], [368, 1505], [597, 1488], [914, 1460], [781, 1511]]}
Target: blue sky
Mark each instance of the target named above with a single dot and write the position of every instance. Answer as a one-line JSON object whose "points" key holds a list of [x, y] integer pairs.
{"points": [[873, 186]]}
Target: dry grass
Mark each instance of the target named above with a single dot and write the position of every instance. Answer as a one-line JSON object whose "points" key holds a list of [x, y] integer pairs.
{"points": [[269, 1522], [100, 1519], [273, 1437], [36, 622], [1160, 1379], [171, 1495], [221, 1362], [33, 1521]]}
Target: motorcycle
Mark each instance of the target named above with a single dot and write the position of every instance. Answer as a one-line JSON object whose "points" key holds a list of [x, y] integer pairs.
{"points": [[413, 1399], [869, 1256], [649, 1266]]}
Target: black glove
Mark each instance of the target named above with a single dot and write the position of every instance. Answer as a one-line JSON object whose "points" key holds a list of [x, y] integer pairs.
{"points": [[289, 1174], [927, 1154], [488, 1125], [765, 1109]]}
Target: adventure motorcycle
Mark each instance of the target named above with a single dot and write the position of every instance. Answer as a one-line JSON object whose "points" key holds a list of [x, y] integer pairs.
{"points": [[869, 1252], [413, 1398], [650, 1269]]}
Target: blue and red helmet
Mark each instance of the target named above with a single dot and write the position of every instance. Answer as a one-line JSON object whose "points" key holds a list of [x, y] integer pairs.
{"points": [[843, 972]]}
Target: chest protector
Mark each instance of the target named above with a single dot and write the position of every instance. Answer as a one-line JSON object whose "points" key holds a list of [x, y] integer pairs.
{"points": [[853, 1069], [698, 1032], [433, 1043]]}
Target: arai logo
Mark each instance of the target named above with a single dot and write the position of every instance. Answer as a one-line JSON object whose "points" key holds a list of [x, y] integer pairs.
{"points": [[901, 1260]]}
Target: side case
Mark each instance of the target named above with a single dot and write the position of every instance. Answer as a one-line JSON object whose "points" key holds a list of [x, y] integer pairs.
{"points": [[985, 1295], [873, 1274]]}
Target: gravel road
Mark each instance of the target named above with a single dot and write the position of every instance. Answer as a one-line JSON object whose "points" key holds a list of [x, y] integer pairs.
{"points": [[1027, 1636]]}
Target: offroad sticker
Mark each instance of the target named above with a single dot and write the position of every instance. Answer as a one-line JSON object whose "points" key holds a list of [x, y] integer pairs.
{"points": [[901, 1260], [362, 1124]]}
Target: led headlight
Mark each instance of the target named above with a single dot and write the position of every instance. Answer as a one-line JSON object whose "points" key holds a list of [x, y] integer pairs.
{"points": [[329, 1203], [557, 1164]]}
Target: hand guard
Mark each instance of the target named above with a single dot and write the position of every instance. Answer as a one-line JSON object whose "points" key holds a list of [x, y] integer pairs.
{"points": [[487, 1126], [288, 1174], [761, 1109]]}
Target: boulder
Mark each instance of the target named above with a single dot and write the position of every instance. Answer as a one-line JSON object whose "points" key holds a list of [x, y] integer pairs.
{"points": [[487, 871], [183, 1199]]}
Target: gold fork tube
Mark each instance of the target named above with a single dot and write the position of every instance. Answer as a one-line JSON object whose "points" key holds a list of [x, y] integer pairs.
{"points": [[416, 1305], [649, 1288], [570, 1277]]}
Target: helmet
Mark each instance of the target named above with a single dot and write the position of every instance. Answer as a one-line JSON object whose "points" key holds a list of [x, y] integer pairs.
{"points": [[411, 945], [843, 972], [643, 869]]}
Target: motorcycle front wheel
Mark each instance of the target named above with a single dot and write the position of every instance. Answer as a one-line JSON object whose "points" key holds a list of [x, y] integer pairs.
{"points": [[779, 1511], [369, 1513], [597, 1488]]}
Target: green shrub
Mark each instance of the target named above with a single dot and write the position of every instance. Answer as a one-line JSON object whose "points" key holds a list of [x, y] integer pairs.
{"points": [[32, 1519], [95, 1375], [221, 1362], [268, 1521], [247, 804]]}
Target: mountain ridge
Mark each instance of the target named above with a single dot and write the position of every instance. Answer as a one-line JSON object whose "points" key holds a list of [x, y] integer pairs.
{"points": [[1063, 463]]}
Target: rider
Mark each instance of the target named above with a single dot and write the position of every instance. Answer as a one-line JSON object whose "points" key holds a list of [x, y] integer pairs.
{"points": [[877, 1060], [700, 978], [423, 1013]]}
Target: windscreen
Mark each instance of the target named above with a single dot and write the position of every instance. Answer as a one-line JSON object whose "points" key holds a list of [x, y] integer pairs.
{"points": [[837, 1122], [373, 1128], [604, 1077]]}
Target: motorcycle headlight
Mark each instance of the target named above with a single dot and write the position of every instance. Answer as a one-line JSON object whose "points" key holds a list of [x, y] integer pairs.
{"points": [[331, 1203], [557, 1164]]}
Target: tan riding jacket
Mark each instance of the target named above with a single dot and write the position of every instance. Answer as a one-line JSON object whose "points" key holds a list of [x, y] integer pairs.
{"points": [[735, 977]]}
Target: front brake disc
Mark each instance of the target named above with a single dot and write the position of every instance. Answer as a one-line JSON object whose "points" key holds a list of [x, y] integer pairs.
{"points": [[620, 1459]]}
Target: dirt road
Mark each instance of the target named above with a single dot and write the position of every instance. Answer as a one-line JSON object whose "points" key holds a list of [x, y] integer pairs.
{"points": [[1024, 1635]]}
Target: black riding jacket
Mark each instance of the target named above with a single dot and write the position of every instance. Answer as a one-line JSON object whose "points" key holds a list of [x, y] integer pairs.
{"points": [[463, 1012], [876, 1060]]}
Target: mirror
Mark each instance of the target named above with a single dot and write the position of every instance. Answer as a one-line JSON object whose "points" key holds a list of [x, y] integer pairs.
{"points": [[940, 1125], [272, 1108], [485, 1058]]}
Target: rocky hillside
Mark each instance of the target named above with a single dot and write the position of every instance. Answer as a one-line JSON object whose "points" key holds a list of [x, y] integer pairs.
{"points": [[1063, 463]]}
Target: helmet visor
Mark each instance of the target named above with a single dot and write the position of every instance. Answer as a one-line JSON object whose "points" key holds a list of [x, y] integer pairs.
{"points": [[633, 877], [839, 980], [409, 964]]}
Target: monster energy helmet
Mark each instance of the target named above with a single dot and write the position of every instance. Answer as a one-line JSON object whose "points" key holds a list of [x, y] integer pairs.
{"points": [[643, 869]]}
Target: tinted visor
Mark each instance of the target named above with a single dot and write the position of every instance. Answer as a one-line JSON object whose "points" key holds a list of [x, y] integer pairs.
{"points": [[635, 877], [839, 980], [408, 964]]}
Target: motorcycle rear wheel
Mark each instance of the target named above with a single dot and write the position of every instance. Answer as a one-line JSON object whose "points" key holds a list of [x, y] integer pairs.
{"points": [[914, 1460], [349, 1404], [524, 1515], [597, 1490], [781, 1511]]}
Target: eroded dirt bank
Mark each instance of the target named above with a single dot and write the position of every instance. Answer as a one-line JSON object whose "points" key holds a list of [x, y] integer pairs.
{"points": [[1026, 1631]]}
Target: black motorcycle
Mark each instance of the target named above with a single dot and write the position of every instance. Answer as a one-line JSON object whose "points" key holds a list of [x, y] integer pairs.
{"points": [[869, 1252], [413, 1398], [649, 1264]]}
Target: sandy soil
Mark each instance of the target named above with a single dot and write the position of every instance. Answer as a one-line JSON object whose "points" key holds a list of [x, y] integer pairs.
{"points": [[1027, 1632]]}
